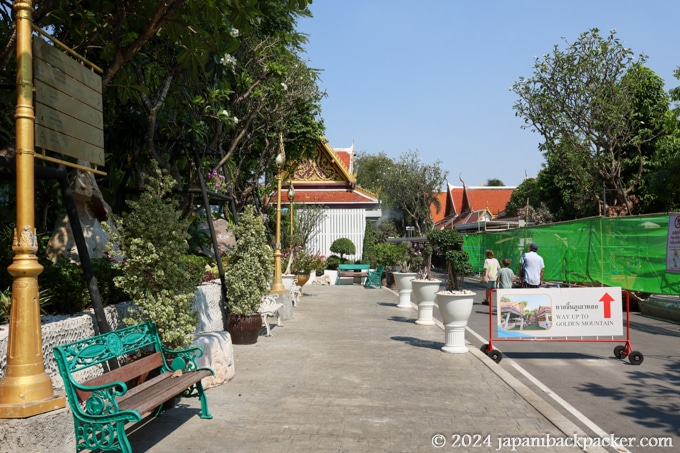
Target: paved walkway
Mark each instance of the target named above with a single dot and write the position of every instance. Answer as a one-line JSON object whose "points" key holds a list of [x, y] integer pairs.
{"points": [[353, 373]]}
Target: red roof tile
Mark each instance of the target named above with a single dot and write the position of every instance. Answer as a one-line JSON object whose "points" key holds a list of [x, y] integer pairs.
{"points": [[344, 157], [487, 197]]}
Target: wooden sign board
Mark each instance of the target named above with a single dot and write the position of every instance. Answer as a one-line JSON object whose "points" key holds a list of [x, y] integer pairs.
{"points": [[68, 104]]}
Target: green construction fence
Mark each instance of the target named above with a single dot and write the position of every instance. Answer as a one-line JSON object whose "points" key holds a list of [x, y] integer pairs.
{"points": [[629, 252]]}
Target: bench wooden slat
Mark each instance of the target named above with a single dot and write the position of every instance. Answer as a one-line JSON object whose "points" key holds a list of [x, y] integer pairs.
{"points": [[352, 270], [162, 389], [353, 274], [132, 373]]}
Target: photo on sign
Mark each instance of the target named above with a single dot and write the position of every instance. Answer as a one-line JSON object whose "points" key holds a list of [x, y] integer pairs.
{"points": [[525, 312]]}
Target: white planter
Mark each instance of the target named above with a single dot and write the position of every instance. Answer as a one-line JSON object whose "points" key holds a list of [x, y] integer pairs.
{"points": [[288, 280], [425, 292], [455, 310], [403, 282]]}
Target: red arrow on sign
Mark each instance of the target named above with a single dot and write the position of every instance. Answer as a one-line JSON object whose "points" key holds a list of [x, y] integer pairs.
{"points": [[607, 300]]}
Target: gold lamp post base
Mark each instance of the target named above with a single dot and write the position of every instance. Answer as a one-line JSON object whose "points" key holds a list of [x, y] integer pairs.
{"points": [[56, 401]]}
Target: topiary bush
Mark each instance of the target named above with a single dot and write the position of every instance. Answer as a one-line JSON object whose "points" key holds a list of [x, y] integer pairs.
{"points": [[251, 265], [333, 261], [368, 248], [343, 246], [153, 240]]}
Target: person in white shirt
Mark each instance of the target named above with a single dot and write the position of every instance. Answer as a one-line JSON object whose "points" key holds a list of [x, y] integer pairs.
{"points": [[491, 266], [531, 267]]}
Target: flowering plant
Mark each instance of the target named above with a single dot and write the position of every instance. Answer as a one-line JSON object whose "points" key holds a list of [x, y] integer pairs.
{"points": [[215, 182], [304, 261]]}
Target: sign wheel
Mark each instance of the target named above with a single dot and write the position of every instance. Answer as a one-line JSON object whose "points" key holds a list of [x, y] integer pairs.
{"points": [[636, 358], [619, 352]]}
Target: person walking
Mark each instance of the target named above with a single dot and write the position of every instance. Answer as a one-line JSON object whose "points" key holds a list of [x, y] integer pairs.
{"points": [[531, 267], [505, 276], [491, 266]]}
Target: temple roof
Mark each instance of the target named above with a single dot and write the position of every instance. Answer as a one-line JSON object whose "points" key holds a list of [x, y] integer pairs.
{"points": [[326, 178]]}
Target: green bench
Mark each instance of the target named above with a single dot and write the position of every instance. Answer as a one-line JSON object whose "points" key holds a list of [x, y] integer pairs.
{"points": [[374, 277], [148, 375], [352, 270]]}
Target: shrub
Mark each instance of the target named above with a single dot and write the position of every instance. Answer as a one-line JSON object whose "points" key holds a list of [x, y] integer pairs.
{"points": [[65, 284], [343, 246], [251, 265], [154, 273], [333, 261], [196, 265], [388, 254], [368, 249]]}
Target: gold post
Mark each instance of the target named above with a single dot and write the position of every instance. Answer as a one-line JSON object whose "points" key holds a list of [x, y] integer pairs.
{"points": [[291, 197], [26, 389], [277, 284]]}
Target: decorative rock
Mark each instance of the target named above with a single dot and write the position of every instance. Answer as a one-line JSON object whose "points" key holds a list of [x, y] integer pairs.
{"points": [[92, 211], [207, 304], [325, 279], [226, 240], [219, 355]]}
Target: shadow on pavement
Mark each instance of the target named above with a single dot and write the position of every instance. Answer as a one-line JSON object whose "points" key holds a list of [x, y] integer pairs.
{"points": [[417, 342]]}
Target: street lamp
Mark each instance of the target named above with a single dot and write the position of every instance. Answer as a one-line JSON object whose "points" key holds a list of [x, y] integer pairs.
{"points": [[277, 284], [26, 389], [291, 197]]}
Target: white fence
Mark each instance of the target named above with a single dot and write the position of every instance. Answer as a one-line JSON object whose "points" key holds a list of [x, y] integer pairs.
{"points": [[339, 223]]}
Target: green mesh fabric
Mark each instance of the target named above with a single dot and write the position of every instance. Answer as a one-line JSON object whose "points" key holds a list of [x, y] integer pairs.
{"points": [[629, 252]]}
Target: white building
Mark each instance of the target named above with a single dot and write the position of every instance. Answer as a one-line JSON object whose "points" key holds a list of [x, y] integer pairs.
{"points": [[326, 179]]}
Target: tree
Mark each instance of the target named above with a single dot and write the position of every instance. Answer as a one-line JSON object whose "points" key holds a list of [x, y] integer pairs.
{"points": [[411, 187], [585, 102], [372, 171], [177, 75], [343, 246], [368, 249], [494, 182], [308, 220], [448, 244]]}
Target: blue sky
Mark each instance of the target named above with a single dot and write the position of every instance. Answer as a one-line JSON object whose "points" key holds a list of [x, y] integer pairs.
{"points": [[434, 76]]}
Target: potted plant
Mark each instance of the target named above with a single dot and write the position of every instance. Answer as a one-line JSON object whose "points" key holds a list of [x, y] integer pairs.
{"points": [[409, 265], [425, 288], [305, 263], [455, 303], [251, 264]]}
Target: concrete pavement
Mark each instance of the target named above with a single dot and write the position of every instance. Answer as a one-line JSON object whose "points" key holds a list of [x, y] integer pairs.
{"points": [[351, 372]]}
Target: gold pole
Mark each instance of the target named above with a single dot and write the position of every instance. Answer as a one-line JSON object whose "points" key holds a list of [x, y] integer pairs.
{"points": [[26, 389], [277, 284], [291, 196]]}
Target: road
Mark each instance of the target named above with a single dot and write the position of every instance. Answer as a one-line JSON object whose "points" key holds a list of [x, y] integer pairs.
{"points": [[587, 383]]}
